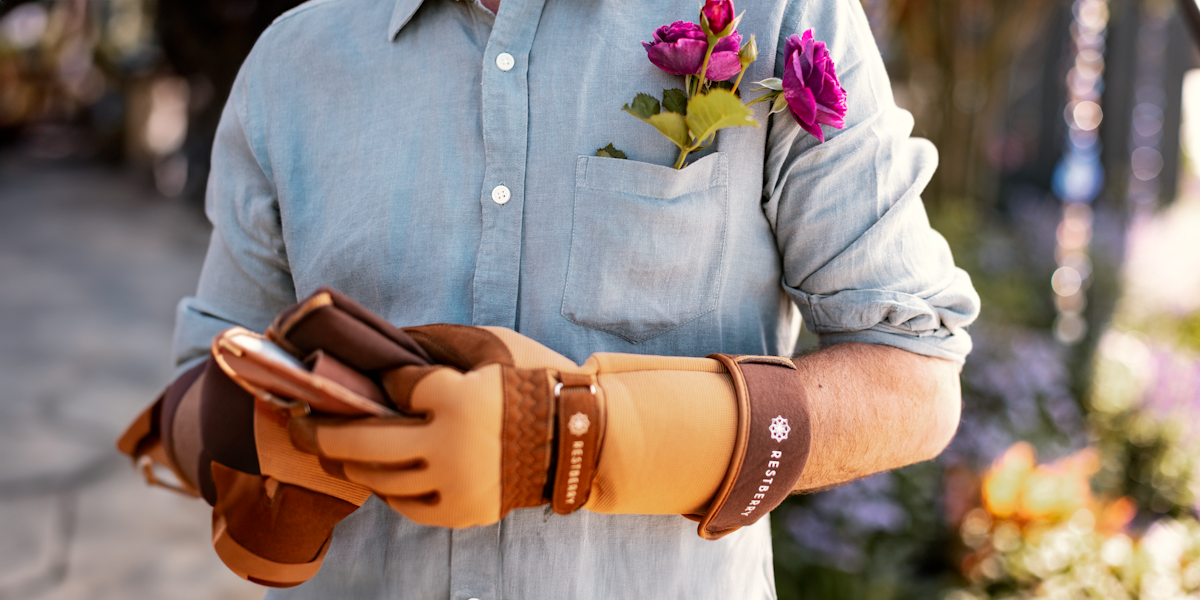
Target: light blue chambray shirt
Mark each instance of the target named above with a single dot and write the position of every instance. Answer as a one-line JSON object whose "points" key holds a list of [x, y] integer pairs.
{"points": [[362, 147]]}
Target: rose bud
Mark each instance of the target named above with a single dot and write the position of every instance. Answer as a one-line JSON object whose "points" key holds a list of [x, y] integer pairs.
{"points": [[811, 86], [719, 14], [748, 53], [679, 48]]}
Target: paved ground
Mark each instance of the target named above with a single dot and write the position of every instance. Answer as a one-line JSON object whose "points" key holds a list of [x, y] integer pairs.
{"points": [[92, 263]]}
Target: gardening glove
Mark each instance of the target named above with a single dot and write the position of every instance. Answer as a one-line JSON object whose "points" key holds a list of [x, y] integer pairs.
{"points": [[506, 423], [221, 430]]}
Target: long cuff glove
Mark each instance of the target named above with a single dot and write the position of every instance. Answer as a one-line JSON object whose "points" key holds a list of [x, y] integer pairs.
{"points": [[507, 423], [221, 430]]}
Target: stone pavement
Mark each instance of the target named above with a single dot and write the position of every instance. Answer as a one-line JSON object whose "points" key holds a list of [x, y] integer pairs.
{"points": [[92, 263]]}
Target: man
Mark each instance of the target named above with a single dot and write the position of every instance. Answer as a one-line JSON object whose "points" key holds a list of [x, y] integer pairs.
{"points": [[436, 162]]}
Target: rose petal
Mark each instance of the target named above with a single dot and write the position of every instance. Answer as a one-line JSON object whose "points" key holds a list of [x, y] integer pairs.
{"points": [[831, 94], [679, 30], [813, 128], [731, 43], [814, 77], [791, 45], [722, 66], [801, 101], [828, 117], [806, 54], [683, 57]]}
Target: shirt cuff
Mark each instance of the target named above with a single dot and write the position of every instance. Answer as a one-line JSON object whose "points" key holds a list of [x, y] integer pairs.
{"points": [[933, 326]]}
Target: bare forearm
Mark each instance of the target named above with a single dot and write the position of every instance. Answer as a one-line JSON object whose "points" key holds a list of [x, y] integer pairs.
{"points": [[875, 408]]}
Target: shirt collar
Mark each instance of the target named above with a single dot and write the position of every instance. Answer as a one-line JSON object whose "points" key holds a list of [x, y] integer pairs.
{"points": [[401, 14]]}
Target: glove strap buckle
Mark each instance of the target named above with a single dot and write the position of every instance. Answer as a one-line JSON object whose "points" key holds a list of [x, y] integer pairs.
{"points": [[558, 388]]}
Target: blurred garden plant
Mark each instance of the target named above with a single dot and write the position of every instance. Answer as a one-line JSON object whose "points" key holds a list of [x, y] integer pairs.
{"points": [[1042, 533]]}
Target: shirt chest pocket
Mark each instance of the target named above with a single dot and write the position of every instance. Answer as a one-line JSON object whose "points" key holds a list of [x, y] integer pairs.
{"points": [[647, 245]]}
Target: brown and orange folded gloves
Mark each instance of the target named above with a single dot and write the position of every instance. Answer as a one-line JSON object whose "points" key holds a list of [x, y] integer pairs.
{"points": [[221, 429], [468, 423]]}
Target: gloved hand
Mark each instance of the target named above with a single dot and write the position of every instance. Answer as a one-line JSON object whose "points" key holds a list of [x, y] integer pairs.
{"points": [[507, 423], [222, 429]]}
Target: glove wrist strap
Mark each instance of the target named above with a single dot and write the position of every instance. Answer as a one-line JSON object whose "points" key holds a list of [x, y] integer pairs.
{"points": [[773, 442], [581, 422]]}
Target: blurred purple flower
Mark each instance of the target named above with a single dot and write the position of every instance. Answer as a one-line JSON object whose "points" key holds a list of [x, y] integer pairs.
{"points": [[811, 86], [719, 14], [679, 48], [1175, 389], [827, 545]]}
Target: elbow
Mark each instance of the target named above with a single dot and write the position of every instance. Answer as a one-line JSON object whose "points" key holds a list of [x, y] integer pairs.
{"points": [[944, 402]]}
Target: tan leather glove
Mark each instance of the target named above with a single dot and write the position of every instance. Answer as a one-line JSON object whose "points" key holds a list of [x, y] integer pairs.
{"points": [[507, 423]]}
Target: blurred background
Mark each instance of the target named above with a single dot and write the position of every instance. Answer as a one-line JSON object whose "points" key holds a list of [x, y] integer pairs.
{"points": [[1069, 188]]}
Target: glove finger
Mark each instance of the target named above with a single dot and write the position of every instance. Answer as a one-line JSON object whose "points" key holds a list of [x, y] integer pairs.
{"points": [[395, 440], [436, 511], [399, 384], [411, 479], [419, 509]]}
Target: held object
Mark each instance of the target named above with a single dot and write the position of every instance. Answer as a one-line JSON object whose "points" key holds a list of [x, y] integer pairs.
{"points": [[221, 430]]}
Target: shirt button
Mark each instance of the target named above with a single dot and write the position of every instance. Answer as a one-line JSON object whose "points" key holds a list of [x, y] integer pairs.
{"points": [[505, 61], [501, 194]]}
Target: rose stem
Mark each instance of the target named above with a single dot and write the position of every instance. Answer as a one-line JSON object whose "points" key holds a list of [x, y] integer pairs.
{"points": [[683, 152], [704, 67], [739, 79]]}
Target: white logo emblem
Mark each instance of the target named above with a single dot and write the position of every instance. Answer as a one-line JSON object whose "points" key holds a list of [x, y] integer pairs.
{"points": [[579, 423], [779, 428]]}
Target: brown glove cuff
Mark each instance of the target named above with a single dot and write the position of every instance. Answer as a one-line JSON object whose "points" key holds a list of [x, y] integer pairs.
{"points": [[773, 441], [528, 436], [149, 439], [272, 533]]}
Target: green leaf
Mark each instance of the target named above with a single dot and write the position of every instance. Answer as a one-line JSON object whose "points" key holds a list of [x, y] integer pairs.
{"points": [[643, 107], [610, 152], [718, 109], [772, 83], [671, 125], [675, 100], [780, 105]]}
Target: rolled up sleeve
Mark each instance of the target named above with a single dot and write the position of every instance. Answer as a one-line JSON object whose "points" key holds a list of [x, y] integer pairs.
{"points": [[860, 259], [245, 280]]}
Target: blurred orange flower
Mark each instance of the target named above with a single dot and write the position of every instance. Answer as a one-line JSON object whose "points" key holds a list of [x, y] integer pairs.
{"points": [[1018, 488]]}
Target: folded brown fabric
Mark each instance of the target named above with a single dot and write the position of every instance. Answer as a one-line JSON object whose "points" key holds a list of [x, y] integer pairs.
{"points": [[274, 507]]}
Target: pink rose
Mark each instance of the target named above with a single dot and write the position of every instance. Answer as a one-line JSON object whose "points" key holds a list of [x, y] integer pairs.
{"points": [[679, 48], [811, 86]]}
